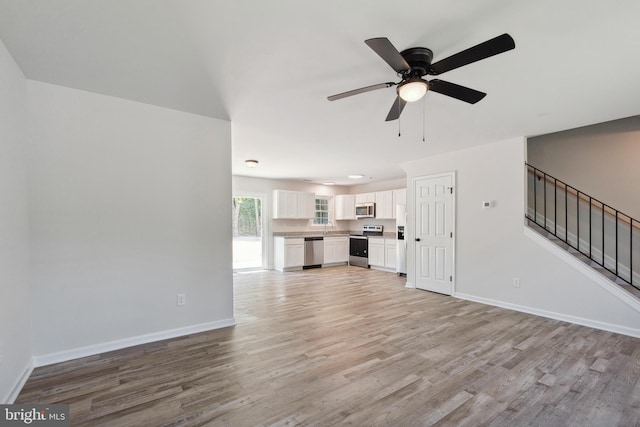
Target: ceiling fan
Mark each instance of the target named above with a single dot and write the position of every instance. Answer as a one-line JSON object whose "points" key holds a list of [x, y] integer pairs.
{"points": [[414, 63]]}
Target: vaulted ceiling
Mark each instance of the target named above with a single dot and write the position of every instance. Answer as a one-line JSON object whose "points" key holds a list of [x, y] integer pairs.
{"points": [[268, 66]]}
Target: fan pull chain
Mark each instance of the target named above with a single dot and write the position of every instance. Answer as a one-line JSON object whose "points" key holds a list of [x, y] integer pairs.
{"points": [[424, 116], [398, 117]]}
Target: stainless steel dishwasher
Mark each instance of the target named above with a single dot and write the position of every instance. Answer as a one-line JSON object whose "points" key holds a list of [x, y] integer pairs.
{"points": [[313, 252]]}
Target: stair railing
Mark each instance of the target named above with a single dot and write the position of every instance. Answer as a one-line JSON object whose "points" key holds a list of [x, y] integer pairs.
{"points": [[610, 251]]}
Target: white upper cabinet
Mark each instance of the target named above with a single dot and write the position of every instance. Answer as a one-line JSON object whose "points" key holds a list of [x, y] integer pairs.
{"points": [[400, 196], [293, 205], [385, 201], [306, 205], [345, 206], [366, 198], [385, 207]]}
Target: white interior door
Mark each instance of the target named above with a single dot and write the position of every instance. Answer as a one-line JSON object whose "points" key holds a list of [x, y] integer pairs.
{"points": [[434, 217]]}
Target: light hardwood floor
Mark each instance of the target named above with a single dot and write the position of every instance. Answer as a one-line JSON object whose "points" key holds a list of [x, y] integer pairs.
{"points": [[351, 346]]}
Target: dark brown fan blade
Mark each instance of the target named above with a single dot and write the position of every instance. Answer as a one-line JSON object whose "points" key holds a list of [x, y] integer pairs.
{"points": [[383, 47], [361, 90], [396, 109], [484, 50], [456, 91]]}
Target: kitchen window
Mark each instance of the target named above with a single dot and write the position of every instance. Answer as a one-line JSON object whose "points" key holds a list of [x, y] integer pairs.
{"points": [[322, 211]]}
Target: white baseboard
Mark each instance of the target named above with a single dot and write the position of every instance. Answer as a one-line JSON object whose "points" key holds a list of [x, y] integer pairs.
{"points": [[91, 350], [410, 285], [17, 388], [388, 270], [619, 329]]}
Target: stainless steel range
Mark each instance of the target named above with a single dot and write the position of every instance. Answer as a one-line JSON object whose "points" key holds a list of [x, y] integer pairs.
{"points": [[359, 246]]}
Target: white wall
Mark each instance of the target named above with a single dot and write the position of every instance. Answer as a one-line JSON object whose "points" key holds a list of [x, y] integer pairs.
{"points": [[129, 206], [491, 246], [15, 324], [600, 160]]}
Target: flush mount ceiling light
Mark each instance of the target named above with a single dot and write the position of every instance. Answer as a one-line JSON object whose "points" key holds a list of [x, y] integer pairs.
{"points": [[328, 183], [413, 90], [251, 163], [356, 176]]}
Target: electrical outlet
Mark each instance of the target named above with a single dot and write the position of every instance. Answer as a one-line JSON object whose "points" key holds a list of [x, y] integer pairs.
{"points": [[181, 299], [516, 282]]}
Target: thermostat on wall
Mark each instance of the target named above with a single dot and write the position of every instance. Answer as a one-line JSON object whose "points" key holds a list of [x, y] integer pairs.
{"points": [[488, 205]]}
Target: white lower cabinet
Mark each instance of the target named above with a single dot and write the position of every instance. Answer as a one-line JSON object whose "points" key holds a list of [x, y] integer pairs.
{"points": [[336, 250], [288, 253], [390, 253], [382, 253], [376, 251]]}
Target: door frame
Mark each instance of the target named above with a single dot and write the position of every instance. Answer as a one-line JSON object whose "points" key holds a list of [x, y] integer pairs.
{"points": [[266, 241], [411, 219]]}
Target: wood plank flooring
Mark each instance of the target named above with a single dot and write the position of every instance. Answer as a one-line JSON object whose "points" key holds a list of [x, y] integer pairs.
{"points": [[351, 346]]}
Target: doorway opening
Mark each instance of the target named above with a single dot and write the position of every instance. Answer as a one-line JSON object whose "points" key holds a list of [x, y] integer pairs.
{"points": [[248, 233]]}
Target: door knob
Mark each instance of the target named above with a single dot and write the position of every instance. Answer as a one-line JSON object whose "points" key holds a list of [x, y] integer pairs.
{"points": [[417, 239]]}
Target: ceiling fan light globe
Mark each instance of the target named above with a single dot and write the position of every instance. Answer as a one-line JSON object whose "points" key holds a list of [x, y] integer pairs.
{"points": [[412, 91]]}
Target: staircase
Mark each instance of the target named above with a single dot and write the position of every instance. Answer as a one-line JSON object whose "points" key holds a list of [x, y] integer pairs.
{"points": [[592, 231]]}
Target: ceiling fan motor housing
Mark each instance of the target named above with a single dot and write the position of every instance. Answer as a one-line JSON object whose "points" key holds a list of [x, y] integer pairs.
{"points": [[419, 59]]}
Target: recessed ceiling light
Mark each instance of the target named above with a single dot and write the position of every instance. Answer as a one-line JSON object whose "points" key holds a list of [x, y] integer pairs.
{"points": [[328, 183], [356, 176], [251, 163]]}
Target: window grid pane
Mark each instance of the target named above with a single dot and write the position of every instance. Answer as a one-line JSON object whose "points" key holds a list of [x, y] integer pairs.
{"points": [[322, 212]]}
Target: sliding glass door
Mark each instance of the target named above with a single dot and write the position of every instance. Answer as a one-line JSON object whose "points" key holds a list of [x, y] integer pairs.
{"points": [[247, 233]]}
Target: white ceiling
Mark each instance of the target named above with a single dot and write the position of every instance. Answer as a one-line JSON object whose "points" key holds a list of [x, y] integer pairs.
{"points": [[268, 66]]}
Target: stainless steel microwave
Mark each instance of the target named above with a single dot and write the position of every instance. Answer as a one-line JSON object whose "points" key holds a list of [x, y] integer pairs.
{"points": [[365, 210]]}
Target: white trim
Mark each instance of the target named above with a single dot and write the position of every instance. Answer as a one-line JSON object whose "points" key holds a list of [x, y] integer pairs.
{"points": [[410, 285], [385, 269], [596, 253], [634, 332], [593, 274], [63, 356], [17, 388]]}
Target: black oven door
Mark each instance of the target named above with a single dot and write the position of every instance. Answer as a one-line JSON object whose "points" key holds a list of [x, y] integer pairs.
{"points": [[358, 248]]}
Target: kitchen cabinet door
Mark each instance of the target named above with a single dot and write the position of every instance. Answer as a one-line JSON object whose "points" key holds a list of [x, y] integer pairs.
{"points": [[390, 253], [306, 205], [285, 204], [342, 250], [366, 198], [345, 206], [376, 252], [294, 255], [288, 253], [336, 249], [293, 205], [385, 208]]}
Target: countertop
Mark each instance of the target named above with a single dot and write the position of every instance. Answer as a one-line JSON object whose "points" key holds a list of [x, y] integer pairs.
{"points": [[294, 234]]}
